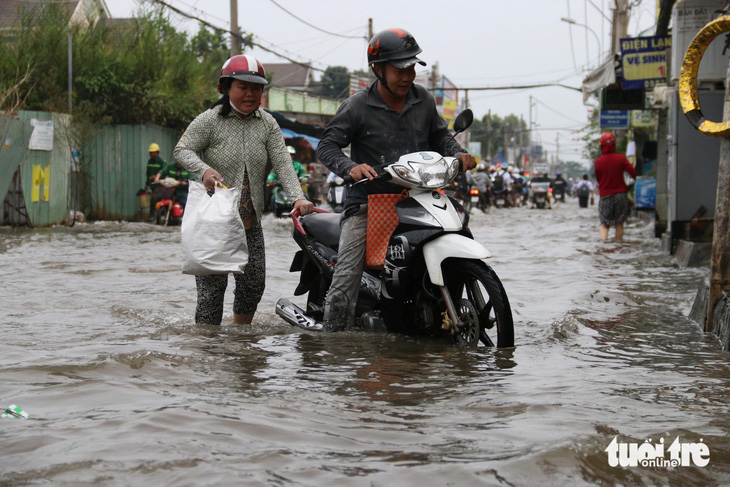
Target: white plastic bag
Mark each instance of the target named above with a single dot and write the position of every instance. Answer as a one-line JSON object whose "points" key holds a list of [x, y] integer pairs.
{"points": [[213, 237]]}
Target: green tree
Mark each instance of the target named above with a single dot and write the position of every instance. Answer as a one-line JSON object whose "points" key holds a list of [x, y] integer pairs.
{"points": [[573, 169], [137, 72], [591, 136], [336, 82], [497, 133]]}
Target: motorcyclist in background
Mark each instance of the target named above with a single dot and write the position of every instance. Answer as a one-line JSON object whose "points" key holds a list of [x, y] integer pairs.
{"points": [[560, 187], [155, 164], [392, 117], [483, 183], [176, 171], [519, 187], [502, 181]]}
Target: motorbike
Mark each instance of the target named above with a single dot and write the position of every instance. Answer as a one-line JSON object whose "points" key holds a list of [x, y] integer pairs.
{"points": [[501, 198], [337, 194], [168, 210], [281, 202], [434, 281], [474, 199], [540, 194], [559, 190]]}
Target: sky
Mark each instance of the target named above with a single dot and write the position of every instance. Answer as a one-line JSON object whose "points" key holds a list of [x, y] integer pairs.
{"points": [[476, 43]]}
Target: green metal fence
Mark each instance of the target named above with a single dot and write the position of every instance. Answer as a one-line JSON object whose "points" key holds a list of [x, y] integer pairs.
{"points": [[101, 178], [117, 158]]}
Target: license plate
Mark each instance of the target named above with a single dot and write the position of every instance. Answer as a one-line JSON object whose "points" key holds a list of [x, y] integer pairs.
{"points": [[475, 199]]}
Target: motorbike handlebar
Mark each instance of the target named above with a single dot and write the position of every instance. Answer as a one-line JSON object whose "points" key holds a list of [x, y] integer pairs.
{"points": [[295, 214]]}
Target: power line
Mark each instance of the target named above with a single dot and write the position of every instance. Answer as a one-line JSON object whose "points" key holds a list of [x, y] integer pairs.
{"points": [[315, 27], [512, 87], [556, 111], [208, 24]]}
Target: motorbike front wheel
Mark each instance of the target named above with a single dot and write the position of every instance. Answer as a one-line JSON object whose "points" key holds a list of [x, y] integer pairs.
{"points": [[162, 216], [481, 301]]}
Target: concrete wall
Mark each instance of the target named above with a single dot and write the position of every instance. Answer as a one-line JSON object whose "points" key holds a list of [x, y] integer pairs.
{"points": [[721, 321]]}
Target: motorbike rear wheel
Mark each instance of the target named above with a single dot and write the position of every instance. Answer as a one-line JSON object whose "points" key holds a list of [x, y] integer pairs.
{"points": [[481, 302]]}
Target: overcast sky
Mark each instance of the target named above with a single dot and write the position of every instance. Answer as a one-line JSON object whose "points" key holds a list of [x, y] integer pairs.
{"points": [[476, 43]]}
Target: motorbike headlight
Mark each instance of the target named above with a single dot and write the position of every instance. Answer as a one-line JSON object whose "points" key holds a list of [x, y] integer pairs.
{"points": [[431, 175]]}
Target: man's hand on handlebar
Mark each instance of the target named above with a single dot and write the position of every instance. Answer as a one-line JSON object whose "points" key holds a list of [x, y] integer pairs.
{"points": [[362, 171], [467, 161]]}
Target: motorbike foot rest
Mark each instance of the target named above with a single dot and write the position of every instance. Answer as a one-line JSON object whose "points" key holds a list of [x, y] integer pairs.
{"points": [[372, 321], [294, 315]]}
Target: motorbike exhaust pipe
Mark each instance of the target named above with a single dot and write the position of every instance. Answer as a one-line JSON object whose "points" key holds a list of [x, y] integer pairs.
{"points": [[294, 315]]}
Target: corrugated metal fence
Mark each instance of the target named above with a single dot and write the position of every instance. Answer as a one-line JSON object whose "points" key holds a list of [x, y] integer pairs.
{"points": [[14, 139], [39, 187], [118, 161]]}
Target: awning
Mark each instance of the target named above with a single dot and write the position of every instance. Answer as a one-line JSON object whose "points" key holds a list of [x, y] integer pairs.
{"points": [[290, 134], [602, 76]]}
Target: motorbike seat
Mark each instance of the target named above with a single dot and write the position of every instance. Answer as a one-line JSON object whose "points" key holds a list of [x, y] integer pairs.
{"points": [[324, 227]]}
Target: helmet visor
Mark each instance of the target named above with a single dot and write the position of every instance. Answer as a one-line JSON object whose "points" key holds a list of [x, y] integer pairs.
{"points": [[406, 63], [250, 77]]}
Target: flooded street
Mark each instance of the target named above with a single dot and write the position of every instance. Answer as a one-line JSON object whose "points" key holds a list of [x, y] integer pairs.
{"points": [[98, 345]]}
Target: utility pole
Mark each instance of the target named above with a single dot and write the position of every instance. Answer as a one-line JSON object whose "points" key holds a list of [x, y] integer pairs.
{"points": [[720, 259], [435, 76], [620, 25], [235, 33], [70, 73], [489, 136], [370, 29]]}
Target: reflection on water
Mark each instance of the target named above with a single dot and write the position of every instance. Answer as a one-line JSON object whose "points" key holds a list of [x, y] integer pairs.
{"points": [[99, 346]]}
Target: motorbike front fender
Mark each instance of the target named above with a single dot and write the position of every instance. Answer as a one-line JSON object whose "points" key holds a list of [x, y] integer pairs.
{"points": [[450, 245]]}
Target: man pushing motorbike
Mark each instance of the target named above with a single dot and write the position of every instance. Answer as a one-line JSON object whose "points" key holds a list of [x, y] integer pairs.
{"points": [[392, 117]]}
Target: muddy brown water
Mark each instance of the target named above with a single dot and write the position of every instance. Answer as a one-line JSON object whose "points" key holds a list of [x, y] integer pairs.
{"points": [[98, 345]]}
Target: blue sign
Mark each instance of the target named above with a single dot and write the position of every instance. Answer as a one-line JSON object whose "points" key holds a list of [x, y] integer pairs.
{"points": [[644, 61], [615, 119], [645, 193]]}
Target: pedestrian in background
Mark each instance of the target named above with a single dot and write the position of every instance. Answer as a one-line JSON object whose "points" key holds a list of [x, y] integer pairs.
{"points": [[231, 143], [583, 190], [613, 205]]}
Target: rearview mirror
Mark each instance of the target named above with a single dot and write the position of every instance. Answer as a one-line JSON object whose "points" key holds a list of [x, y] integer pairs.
{"points": [[463, 120]]}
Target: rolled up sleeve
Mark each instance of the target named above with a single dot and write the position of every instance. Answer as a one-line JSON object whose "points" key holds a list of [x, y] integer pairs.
{"points": [[337, 136]]}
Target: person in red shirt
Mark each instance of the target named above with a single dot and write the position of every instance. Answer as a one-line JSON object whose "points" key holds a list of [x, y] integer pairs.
{"points": [[613, 206]]}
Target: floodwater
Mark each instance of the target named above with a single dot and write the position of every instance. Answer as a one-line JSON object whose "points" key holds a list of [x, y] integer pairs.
{"points": [[98, 345]]}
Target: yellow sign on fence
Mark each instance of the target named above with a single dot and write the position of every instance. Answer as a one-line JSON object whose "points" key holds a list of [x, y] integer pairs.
{"points": [[41, 183]]}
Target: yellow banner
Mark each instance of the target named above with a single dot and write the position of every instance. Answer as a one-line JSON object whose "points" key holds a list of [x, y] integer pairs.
{"points": [[449, 112], [41, 180]]}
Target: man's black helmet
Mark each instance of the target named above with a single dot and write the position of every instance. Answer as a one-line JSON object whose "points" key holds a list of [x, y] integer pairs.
{"points": [[394, 46]]}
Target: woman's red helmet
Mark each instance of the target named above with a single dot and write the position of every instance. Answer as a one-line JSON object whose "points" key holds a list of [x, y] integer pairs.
{"points": [[608, 142], [244, 67]]}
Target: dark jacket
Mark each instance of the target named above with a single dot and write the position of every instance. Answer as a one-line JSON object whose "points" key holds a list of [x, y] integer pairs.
{"points": [[379, 135]]}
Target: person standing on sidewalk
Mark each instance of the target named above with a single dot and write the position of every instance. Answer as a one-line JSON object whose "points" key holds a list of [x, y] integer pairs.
{"points": [[613, 205], [392, 117]]}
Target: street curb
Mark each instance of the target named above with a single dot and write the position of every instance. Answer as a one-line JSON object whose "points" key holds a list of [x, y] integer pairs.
{"points": [[721, 318]]}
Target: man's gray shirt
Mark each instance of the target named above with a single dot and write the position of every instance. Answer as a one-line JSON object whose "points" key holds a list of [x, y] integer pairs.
{"points": [[379, 135]]}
